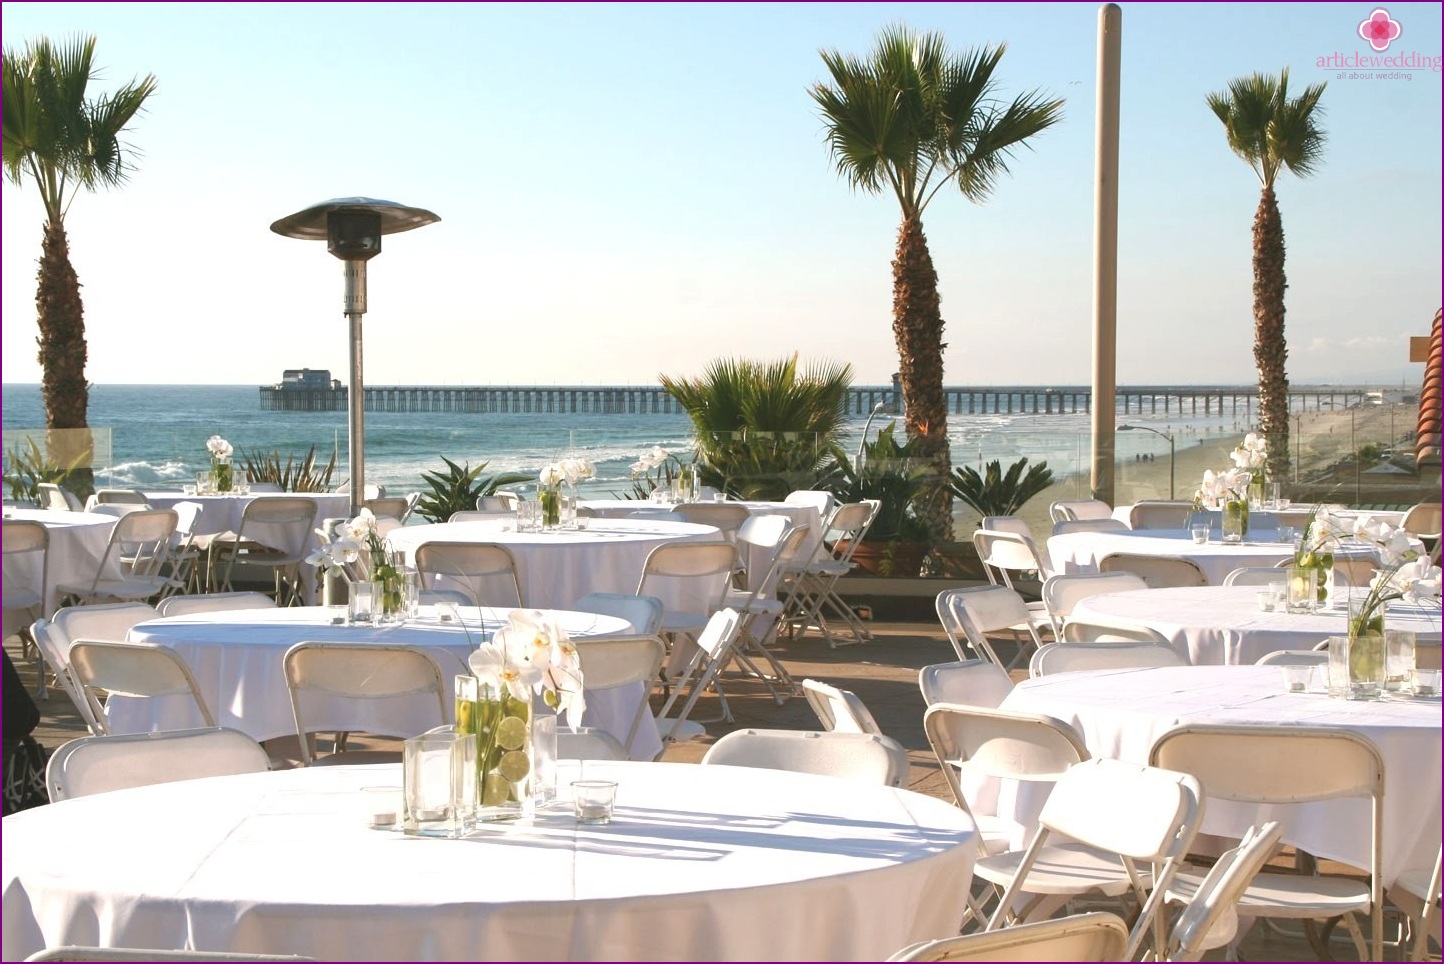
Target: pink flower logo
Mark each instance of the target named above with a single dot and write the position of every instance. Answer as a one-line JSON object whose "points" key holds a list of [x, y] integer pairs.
{"points": [[1380, 29]]}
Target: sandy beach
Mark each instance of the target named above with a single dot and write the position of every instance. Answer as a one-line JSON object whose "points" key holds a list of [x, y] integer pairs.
{"points": [[1323, 443]]}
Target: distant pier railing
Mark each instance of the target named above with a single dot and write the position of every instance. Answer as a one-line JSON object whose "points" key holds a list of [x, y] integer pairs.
{"points": [[1186, 402]]}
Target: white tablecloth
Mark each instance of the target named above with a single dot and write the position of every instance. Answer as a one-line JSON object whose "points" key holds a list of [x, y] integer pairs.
{"points": [[77, 543], [1121, 712], [558, 568], [1075, 552], [1217, 625], [701, 864], [236, 658], [222, 513]]}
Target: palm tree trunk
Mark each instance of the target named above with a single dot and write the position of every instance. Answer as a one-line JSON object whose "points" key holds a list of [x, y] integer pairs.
{"points": [[918, 327], [1270, 348], [62, 359]]}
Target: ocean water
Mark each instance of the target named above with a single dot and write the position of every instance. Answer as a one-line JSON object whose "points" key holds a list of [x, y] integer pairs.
{"points": [[158, 436]]}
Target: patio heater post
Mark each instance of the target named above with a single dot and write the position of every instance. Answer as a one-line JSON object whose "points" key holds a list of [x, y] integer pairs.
{"points": [[352, 228]]}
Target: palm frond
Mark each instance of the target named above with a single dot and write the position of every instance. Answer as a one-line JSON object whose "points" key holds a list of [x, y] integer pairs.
{"points": [[1267, 128]]}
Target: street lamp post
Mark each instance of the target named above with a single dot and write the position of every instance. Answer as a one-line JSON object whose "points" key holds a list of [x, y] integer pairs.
{"points": [[856, 459], [352, 228], [1167, 435]]}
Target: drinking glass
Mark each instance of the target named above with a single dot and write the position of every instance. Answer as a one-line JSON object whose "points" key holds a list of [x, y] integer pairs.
{"points": [[1398, 660], [438, 779], [593, 801], [1338, 682], [364, 594], [1303, 589], [1275, 497], [1200, 534]]}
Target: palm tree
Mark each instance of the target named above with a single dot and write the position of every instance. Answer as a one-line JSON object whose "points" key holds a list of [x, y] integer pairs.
{"points": [[763, 429], [912, 118], [64, 142], [1271, 132]]}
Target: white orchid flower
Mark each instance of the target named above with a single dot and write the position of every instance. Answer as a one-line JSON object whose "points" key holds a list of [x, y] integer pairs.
{"points": [[219, 447], [551, 475], [1418, 580], [493, 666]]}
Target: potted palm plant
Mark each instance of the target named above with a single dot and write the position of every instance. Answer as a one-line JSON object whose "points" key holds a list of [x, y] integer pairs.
{"points": [[895, 475]]}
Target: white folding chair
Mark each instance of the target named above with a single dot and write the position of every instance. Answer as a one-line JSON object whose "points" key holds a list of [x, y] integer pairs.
{"points": [[812, 601], [1253, 576], [1084, 631], [820, 499], [1294, 657], [365, 687], [499, 501], [213, 602], [972, 682], [188, 548], [1005, 555], [1159, 572], [1290, 764], [26, 573], [1160, 514], [120, 497], [57, 499], [859, 757], [1119, 818], [132, 669], [1210, 919], [99, 764], [1072, 657], [709, 652], [483, 515], [53, 637], [485, 572], [1007, 523], [1062, 592], [643, 612], [979, 610], [396, 508], [1416, 891], [130, 567], [1095, 936], [729, 517], [838, 709], [1423, 521], [609, 662], [1089, 525], [698, 572], [1069, 509], [770, 543], [589, 743], [273, 534]]}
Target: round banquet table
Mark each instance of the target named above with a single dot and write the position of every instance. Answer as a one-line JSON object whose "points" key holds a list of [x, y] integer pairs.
{"points": [[798, 515], [1218, 625], [77, 543], [1120, 713], [701, 863], [558, 568], [1080, 552], [237, 660]]}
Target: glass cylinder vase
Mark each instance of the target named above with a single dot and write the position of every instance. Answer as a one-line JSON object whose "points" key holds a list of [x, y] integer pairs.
{"points": [[223, 473], [1367, 652], [505, 750], [549, 498], [1235, 519], [1323, 564]]}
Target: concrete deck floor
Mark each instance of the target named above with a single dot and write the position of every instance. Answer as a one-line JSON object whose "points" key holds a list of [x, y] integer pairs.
{"points": [[883, 673]]}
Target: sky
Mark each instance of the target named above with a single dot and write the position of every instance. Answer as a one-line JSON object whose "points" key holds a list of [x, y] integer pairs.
{"points": [[634, 189]]}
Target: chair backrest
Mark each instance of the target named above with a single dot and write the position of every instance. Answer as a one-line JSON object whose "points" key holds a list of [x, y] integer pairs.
{"points": [[1062, 592], [1071, 657], [1004, 553], [1286, 764], [390, 507], [485, 571], [142, 540], [54, 636], [1294, 657], [1160, 514], [1080, 631], [821, 500], [1143, 814], [132, 669], [273, 487], [846, 527], [213, 602], [123, 496], [1422, 520], [839, 710], [1070, 509], [1006, 523], [993, 742], [283, 523], [368, 491], [56, 499], [643, 612], [97, 764], [1160, 572], [697, 571], [499, 501], [727, 516], [116, 509], [611, 661], [1254, 576], [1089, 525], [353, 675], [26, 552], [971, 682], [1095, 936], [1210, 919], [486, 515], [710, 653], [859, 757], [978, 610], [588, 743]]}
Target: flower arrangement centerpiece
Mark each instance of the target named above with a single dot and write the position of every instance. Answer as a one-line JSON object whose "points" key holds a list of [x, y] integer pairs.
{"points": [[658, 471], [1403, 573], [357, 553], [1227, 492], [531, 656], [1324, 528], [1252, 455], [561, 474], [223, 473]]}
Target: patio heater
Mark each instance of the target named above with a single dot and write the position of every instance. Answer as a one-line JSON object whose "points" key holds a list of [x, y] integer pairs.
{"points": [[352, 228]]}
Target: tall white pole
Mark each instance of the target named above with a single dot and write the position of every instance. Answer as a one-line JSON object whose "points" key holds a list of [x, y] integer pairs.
{"points": [[1105, 251]]}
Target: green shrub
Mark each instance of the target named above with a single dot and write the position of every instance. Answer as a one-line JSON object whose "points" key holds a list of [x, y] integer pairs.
{"points": [[304, 476], [458, 488]]}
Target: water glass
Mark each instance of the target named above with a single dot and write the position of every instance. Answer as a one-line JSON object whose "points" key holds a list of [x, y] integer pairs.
{"points": [[381, 807], [1338, 682], [365, 595], [593, 801], [527, 516], [1426, 682], [1303, 590], [1280, 593], [1265, 600], [544, 757], [1274, 495], [1398, 660], [1200, 534], [1297, 678], [438, 777]]}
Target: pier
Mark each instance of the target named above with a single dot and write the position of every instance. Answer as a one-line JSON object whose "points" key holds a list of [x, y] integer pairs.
{"points": [[1183, 401]]}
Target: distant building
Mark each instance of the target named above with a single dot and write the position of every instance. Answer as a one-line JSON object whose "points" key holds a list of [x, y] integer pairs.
{"points": [[307, 378]]}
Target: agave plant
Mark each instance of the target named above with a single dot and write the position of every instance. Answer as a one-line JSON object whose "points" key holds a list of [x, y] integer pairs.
{"points": [[458, 488], [892, 473], [304, 476], [996, 492]]}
